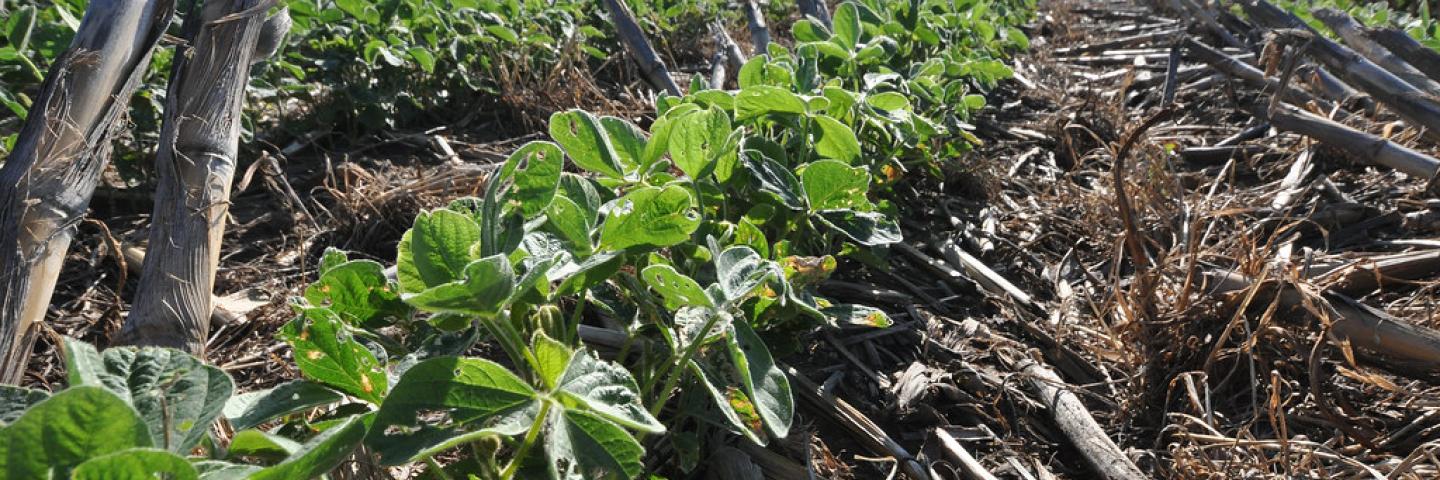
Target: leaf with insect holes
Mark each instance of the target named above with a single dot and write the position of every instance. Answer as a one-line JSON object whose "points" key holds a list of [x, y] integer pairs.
{"points": [[477, 397], [739, 270], [138, 463], [698, 140], [326, 353], [831, 184], [358, 291], [536, 169], [484, 291], [584, 138], [435, 250], [65, 430], [871, 229], [676, 288], [650, 216], [178, 395]]}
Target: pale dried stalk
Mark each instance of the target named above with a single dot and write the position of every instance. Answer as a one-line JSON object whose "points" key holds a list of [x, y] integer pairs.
{"points": [[196, 162], [47, 181]]}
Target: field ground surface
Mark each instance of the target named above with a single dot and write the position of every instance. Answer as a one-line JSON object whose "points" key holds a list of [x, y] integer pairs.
{"points": [[1172, 269]]}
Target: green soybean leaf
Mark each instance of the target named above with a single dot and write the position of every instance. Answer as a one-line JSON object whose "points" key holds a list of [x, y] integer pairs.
{"points": [[841, 100], [14, 400], [536, 167], [484, 290], [478, 397], [831, 184], [178, 395], [765, 99], [593, 448], [773, 177], [660, 141], [650, 216], [582, 191], [435, 250], [739, 271], [255, 443], [65, 430], [871, 229], [360, 9], [253, 408], [218, 470], [698, 140], [584, 138], [714, 98], [326, 353], [628, 140], [761, 71], [571, 223], [136, 463], [322, 453], [847, 25], [676, 288], [333, 257], [83, 363], [857, 315], [751, 426], [807, 30], [358, 291], [747, 233], [422, 57], [575, 277], [836, 140], [606, 389], [689, 321], [1018, 37], [974, 102], [551, 358], [765, 384], [888, 101]]}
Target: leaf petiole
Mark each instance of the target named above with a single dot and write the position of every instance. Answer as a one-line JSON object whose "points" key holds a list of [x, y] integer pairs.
{"points": [[529, 441]]}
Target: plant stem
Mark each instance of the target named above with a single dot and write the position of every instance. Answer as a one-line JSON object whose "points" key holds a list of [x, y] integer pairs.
{"points": [[34, 70], [678, 369], [435, 467], [529, 441], [572, 330]]}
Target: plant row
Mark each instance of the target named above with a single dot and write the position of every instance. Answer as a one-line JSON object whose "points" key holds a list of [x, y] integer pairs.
{"points": [[363, 65], [614, 290]]}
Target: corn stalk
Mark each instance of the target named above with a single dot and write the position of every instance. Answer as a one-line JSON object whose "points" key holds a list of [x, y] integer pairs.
{"points": [[47, 181], [199, 139]]}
